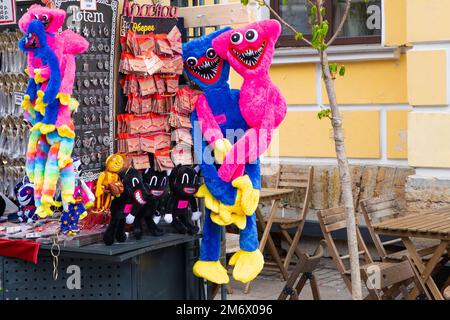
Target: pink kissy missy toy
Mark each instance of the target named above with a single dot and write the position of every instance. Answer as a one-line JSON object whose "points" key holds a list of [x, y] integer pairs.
{"points": [[249, 51]]}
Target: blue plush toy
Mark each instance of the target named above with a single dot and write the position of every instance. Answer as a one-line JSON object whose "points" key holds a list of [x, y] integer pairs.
{"points": [[46, 104], [25, 197], [222, 199]]}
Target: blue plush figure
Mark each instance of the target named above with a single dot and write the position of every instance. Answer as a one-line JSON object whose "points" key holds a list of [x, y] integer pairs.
{"points": [[46, 104], [25, 197], [211, 73]]}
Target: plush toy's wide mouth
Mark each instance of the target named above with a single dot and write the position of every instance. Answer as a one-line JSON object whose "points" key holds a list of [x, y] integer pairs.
{"points": [[156, 193], [250, 57], [32, 41], [208, 71], [189, 190], [139, 197], [24, 199]]}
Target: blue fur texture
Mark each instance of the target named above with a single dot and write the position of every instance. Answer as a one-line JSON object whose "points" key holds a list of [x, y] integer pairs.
{"points": [[35, 40], [222, 101]]}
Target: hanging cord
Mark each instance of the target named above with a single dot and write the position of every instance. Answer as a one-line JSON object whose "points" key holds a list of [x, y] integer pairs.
{"points": [[55, 251], [49, 4]]}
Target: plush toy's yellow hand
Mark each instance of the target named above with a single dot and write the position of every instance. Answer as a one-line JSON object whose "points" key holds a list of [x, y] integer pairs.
{"points": [[221, 148], [47, 200], [64, 98], [68, 198], [89, 204], [83, 215], [250, 196], [247, 265], [210, 202], [238, 220], [212, 271], [73, 105], [26, 102], [38, 78], [40, 105]]}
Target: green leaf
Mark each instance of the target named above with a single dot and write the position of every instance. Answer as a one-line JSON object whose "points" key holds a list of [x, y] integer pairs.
{"points": [[284, 2], [325, 113], [245, 2], [313, 10], [298, 36], [322, 11], [342, 71]]}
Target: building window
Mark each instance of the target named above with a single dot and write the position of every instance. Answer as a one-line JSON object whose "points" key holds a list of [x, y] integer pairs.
{"points": [[363, 24]]}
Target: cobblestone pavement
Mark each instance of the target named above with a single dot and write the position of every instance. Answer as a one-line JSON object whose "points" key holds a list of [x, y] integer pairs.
{"points": [[269, 284]]}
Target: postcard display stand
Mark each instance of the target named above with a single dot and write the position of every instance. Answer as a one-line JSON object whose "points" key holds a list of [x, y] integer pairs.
{"points": [[94, 120]]}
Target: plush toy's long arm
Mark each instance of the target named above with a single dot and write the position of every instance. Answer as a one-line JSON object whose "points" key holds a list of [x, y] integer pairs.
{"points": [[222, 191], [99, 186], [208, 124], [193, 203], [248, 148], [54, 82], [31, 89], [87, 191]]}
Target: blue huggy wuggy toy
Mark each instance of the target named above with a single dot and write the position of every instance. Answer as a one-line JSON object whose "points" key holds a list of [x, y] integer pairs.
{"points": [[226, 203]]}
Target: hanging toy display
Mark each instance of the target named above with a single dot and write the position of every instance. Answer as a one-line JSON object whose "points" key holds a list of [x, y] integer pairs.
{"points": [[182, 206], [124, 208], [157, 184], [74, 212], [48, 104], [24, 191]]}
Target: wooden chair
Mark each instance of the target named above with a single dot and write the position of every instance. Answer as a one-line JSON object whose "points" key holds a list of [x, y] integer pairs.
{"points": [[447, 293], [294, 179], [390, 277], [380, 209], [305, 266]]}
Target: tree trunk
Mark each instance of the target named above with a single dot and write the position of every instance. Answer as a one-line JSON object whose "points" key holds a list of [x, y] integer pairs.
{"points": [[344, 173]]}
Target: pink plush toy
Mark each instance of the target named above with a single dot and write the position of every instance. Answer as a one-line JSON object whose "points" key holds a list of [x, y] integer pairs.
{"points": [[65, 45], [249, 51]]}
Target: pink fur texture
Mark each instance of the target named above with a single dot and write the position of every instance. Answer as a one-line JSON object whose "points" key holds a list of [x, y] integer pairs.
{"points": [[249, 51], [208, 123]]}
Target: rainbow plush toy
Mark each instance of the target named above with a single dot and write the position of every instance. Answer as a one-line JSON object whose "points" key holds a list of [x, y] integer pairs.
{"points": [[48, 104], [226, 203]]}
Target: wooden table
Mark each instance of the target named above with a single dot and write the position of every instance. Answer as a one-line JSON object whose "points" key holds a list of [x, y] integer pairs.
{"points": [[274, 195], [432, 225]]}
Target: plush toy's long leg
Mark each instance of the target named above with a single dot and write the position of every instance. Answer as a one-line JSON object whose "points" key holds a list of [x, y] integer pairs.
{"points": [[51, 176], [64, 122], [248, 261], [208, 266], [39, 170], [49, 120], [67, 178], [65, 152], [32, 150]]}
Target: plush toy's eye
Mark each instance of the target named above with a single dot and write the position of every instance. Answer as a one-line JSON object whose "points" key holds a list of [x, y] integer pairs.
{"points": [[36, 16], [153, 181], [191, 61], [185, 176], [236, 38], [251, 35], [210, 53], [134, 182], [195, 180], [44, 17], [164, 182]]}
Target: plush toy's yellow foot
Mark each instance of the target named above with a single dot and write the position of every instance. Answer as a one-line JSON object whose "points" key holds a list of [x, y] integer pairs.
{"points": [[47, 200], [247, 265], [89, 204], [58, 204], [26, 102], [38, 78], [36, 127], [41, 212], [212, 271], [47, 128], [63, 161], [238, 220], [68, 198], [64, 98], [210, 202], [221, 148], [249, 196]]}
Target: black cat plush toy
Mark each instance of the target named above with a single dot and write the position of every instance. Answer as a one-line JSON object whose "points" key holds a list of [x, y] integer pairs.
{"points": [[157, 184], [124, 208], [181, 203]]}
